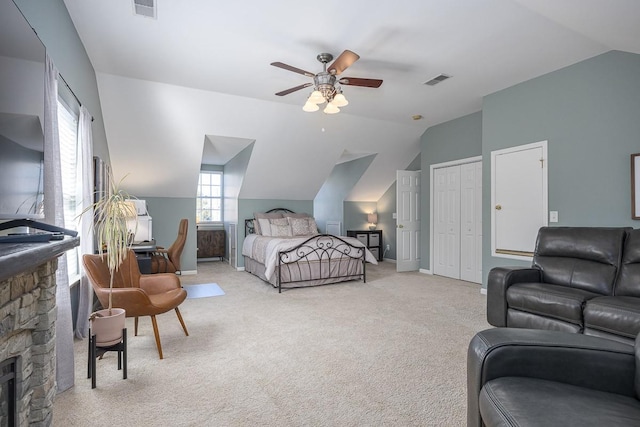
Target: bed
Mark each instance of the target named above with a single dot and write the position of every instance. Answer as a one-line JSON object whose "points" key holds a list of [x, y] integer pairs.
{"points": [[284, 249]]}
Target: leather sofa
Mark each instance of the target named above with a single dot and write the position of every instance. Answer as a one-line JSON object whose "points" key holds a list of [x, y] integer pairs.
{"points": [[525, 377], [582, 280]]}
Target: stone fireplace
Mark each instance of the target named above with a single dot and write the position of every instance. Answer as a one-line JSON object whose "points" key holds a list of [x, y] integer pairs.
{"points": [[27, 330]]}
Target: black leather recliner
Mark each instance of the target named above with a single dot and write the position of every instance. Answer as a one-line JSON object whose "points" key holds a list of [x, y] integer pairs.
{"points": [[582, 280], [524, 377]]}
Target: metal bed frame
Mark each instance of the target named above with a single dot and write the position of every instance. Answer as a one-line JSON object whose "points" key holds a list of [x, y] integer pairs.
{"points": [[325, 251]]}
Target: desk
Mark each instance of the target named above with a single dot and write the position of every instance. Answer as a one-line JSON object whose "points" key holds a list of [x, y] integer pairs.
{"points": [[144, 251]]}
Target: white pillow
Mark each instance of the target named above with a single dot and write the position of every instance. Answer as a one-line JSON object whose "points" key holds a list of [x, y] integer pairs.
{"points": [[280, 227], [264, 226]]}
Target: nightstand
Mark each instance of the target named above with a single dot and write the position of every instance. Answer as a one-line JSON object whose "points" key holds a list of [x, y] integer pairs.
{"points": [[371, 238]]}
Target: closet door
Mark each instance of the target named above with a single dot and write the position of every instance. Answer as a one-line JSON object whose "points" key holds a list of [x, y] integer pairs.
{"points": [[471, 222], [447, 221]]}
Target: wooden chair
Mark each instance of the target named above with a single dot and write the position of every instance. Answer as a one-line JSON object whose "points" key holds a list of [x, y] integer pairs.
{"points": [[139, 294], [168, 260]]}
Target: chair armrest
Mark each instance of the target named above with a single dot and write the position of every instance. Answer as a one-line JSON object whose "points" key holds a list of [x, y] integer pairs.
{"points": [[576, 359], [499, 280], [159, 283]]}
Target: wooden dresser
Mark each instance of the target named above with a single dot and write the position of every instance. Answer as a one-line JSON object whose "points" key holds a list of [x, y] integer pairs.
{"points": [[211, 244]]}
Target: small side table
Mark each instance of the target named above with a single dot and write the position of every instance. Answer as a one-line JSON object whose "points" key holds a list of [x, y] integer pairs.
{"points": [[95, 352]]}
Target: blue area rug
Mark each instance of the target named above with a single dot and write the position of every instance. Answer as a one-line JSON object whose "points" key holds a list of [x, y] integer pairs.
{"points": [[204, 290]]}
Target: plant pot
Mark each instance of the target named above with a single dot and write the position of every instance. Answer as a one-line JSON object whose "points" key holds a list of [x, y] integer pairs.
{"points": [[108, 327]]}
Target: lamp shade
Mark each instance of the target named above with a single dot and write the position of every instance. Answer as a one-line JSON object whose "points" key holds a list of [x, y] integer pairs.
{"points": [[331, 109], [340, 101], [316, 97], [372, 218], [310, 107]]}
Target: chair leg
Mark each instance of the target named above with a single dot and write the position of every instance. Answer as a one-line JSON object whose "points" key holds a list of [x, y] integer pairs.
{"points": [[155, 332], [92, 354], [135, 326], [184, 327], [124, 353]]}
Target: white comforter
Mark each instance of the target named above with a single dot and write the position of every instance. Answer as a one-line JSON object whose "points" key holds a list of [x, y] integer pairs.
{"points": [[265, 249]]}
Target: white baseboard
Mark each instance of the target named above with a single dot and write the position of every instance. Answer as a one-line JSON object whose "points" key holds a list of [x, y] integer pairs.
{"points": [[425, 271], [240, 268], [389, 260], [188, 272]]}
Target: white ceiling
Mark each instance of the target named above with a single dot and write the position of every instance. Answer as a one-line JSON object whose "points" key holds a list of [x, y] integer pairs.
{"points": [[200, 74]]}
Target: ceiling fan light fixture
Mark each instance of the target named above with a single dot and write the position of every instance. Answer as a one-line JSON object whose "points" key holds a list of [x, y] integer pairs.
{"points": [[316, 97], [310, 107], [340, 100], [331, 109]]}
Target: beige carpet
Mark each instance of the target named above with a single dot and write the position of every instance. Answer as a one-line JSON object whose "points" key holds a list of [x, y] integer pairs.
{"points": [[391, 352]]}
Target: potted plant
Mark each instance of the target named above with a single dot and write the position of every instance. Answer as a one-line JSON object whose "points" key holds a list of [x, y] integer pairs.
{"points": [[114, 240]]}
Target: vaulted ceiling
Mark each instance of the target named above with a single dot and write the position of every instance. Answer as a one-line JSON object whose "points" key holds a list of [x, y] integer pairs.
{"points": [[199, 76]]}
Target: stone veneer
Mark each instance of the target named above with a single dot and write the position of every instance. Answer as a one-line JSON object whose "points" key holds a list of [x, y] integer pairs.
{"points": [[27, 331]]}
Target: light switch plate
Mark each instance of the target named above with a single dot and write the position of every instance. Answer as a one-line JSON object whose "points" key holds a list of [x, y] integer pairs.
{"points": [[553, 216], [394, 215]]}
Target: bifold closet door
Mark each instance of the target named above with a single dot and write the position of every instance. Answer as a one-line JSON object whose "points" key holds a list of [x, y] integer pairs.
{"points": [[457, 221], [471, 222], [447, 222]]}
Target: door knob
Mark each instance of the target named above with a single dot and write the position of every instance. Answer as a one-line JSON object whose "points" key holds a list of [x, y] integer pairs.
{"points": [[400, 226], [498, 207]]}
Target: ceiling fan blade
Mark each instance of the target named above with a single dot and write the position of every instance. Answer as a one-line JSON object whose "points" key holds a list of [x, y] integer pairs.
{"points": [[354, 81], [343, 62], [294, 69], [293, 89]]}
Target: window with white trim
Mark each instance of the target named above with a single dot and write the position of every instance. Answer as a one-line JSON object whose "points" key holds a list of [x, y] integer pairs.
{"points": [[70, 159], [209, 197]]}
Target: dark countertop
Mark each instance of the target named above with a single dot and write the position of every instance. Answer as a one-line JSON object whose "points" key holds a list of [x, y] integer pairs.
{"points": [[18, 257]]}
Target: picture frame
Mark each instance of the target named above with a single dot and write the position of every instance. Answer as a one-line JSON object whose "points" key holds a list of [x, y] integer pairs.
{"points": [[635, 186]]}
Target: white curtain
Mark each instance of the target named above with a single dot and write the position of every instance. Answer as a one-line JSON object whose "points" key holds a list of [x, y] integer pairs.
{"points": [[85, 300], [54, 214]]}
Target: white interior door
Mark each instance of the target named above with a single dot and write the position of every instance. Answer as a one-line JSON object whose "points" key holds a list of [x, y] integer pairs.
{"points": [[447, 221], [471, 222], [456, 215], [519, 199], [408, 220]]}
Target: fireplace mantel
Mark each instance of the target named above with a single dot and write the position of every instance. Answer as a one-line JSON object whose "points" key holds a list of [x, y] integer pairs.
{"points": [[18, 257]]}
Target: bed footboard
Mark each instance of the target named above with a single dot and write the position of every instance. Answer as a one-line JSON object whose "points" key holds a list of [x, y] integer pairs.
{"points": [[324, 259]]}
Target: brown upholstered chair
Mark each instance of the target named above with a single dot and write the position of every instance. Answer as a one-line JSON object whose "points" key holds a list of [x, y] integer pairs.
{"points": [[139, 294], [168, 260]]}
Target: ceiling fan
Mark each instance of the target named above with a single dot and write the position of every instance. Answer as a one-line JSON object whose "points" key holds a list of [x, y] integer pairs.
{"points": [[325, 89]]}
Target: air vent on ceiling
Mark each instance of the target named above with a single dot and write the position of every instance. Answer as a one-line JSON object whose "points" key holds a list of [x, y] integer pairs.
{"points": [[437, 79], [145, 8]]}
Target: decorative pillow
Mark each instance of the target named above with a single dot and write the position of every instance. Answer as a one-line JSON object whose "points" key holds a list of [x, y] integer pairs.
{"points": [[260, 215], [299, 226], [313, 227], [280, 227], [296, 215], [263, 227]]}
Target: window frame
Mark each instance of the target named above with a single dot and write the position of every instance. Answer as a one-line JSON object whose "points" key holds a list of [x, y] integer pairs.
{"points": [[199, 198], [73, 255]]}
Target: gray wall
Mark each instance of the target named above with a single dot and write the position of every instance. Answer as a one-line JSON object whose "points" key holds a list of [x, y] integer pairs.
{"points": [[328, 203], [590, 115], [456, 139], [355, 215], [53, 25], [167, 213]]}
